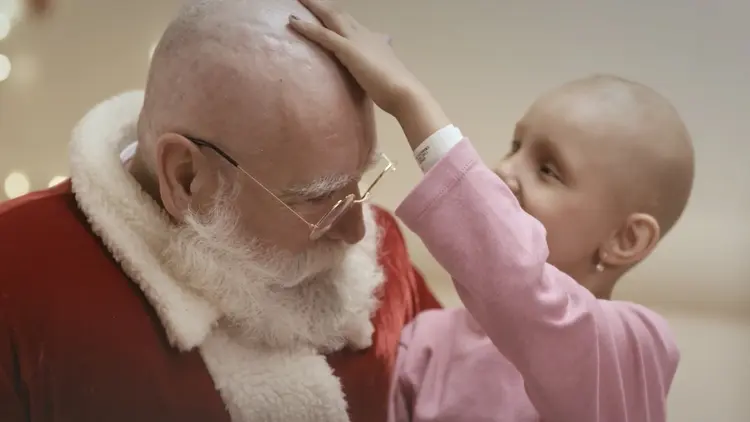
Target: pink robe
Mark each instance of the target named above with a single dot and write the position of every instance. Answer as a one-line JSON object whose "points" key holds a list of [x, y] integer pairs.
{"points": [[539, 346]]}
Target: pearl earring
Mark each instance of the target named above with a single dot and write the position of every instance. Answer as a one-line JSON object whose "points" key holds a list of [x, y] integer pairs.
{"points": [[599, 267]]}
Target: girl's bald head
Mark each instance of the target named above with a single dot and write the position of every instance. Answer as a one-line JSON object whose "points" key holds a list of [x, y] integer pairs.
{"points": [[652, 158], [606, 164]]}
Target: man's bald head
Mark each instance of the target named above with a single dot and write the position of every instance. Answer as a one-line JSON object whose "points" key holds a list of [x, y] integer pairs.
{"points": [[652, 153], [232, 70], [232, 73]]}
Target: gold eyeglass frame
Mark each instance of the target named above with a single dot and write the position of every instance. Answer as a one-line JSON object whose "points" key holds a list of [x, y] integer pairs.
{"points": [[330, 218]]}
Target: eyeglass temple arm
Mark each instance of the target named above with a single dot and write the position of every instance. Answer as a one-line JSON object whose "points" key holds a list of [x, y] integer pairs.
{"points": [[224, 155], [212, 147], [366, 195]]}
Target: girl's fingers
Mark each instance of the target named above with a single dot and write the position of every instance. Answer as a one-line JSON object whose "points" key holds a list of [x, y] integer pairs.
{"points": [[331, 17], [318, 34], [334, 19]]}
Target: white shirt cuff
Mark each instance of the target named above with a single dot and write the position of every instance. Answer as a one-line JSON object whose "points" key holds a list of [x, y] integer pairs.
{"points": [[436, 146]]}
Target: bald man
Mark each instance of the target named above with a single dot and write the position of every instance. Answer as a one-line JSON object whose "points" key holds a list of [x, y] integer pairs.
{"points": [[211, 258]]}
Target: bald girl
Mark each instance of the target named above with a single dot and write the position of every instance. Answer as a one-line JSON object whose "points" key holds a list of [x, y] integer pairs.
{"points": [[616, 165]]}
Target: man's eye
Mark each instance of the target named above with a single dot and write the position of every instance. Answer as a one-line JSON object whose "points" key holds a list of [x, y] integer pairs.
{"points": [[321, 198]]}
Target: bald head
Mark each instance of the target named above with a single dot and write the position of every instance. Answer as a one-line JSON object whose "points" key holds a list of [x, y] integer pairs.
{"points": [[232, 70], [606, 165], [649, 147], [233, 74]]}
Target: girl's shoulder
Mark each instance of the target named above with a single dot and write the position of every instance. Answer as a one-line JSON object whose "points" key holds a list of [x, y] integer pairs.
{"points": [[443, 329]]}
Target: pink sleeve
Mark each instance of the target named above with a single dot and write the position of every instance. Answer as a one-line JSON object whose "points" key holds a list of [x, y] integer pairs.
{"points": [[404, 383], [582, 359]]}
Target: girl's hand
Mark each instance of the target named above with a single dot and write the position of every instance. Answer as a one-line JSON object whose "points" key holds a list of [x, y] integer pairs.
{"points": [[371, 60], [367, 55]]}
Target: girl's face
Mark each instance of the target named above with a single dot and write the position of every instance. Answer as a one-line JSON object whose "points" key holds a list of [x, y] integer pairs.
{"points": [[558, 167]]}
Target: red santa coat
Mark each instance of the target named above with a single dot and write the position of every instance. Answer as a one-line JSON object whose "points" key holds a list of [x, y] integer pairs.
{"points": [[81, 341]]}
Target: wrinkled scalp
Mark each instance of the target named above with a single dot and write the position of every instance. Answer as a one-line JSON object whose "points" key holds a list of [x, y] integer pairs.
{"points": [[216, 59]]}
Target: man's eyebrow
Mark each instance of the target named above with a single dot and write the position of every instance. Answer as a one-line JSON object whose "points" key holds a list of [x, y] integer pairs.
{"points": [[329, 184], [320, 187]]}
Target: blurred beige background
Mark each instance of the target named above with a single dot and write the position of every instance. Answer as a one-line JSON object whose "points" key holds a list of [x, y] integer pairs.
{"points": [[486, 60]]}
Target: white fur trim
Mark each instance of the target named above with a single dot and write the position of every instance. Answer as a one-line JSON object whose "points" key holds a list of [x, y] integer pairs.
{"points": [[120, 212], [273, 385]]}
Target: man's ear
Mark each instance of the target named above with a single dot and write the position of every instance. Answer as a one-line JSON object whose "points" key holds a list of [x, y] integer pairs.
{"points": [[177, 163], [632, 243]]}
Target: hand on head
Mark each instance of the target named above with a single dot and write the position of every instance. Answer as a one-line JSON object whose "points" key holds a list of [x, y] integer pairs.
{"points": [[368, 55], [606, 164], [370, 58]]}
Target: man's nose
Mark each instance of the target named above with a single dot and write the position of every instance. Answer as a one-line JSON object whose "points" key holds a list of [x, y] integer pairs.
{"points": [[350, 227]]}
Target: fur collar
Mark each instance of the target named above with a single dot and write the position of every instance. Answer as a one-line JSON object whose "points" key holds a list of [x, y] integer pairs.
{"points": [[129, 221]]}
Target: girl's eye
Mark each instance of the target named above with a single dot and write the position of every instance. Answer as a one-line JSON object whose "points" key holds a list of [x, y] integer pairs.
{"points": [[548, 171], [514, 147]]}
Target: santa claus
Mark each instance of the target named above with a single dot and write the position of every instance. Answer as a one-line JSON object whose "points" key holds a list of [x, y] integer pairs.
{"points": [[212, 257]]}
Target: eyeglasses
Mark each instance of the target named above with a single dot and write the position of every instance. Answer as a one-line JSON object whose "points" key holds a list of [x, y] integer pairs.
{"points": [[330, 218]]}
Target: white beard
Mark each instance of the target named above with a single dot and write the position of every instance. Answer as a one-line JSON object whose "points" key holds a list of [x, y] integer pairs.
{"points": [[321, 298], [282, 312]]}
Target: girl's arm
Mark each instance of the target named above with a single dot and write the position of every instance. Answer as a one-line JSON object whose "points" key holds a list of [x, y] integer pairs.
{"points": [[582, 359]]}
